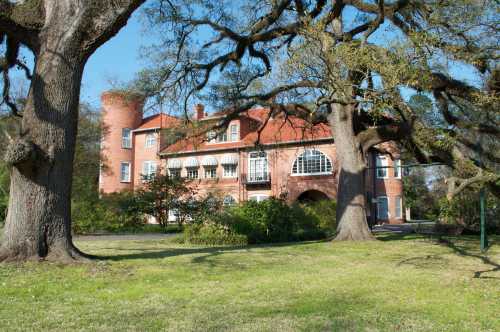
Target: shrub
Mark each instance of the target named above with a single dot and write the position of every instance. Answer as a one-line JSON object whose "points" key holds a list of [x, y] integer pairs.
{"points": [[324, 212], [212, 234], [273, 220], [463, 210], [112, 213]]}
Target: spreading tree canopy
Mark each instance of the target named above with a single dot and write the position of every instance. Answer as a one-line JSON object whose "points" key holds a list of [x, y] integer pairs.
{"points": [[351, 63]]}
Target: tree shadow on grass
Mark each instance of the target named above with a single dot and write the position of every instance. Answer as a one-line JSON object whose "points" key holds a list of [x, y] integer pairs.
{"points": [[151, 253], [461, 245], [464, 250]]}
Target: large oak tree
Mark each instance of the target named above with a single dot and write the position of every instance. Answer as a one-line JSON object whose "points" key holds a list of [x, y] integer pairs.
{"points": [[62, 34]]}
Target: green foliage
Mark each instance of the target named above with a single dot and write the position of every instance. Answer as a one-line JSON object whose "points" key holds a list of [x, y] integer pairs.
{"points": [[212, 234], [161, 194], [273, 220], [419, 197], [112, 213], [324, 212], [464, 210]]}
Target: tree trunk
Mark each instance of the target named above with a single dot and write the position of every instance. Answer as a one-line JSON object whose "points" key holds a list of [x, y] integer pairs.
{"points": [[38, 224], [351, 205]]}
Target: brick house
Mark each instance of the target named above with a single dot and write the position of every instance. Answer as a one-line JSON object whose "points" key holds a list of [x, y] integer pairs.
{"points": [[255, 158]]}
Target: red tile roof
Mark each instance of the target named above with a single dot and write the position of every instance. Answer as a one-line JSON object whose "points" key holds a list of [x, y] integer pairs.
{"points": [[279, 129], [158, 121]]}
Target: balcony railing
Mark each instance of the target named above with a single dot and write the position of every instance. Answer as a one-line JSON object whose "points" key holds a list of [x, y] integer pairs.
{"points": [[258, 178]]}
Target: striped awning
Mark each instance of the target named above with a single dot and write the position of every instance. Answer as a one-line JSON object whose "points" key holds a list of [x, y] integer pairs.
{"points": [[174, 163], [209, 161], [229, 159], [192, 163]]}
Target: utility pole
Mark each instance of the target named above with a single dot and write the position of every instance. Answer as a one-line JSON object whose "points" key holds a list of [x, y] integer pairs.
{"points": [[484, 236]]}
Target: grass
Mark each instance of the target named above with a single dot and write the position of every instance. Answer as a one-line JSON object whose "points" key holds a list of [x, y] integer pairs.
{"points": [[396, 284]]}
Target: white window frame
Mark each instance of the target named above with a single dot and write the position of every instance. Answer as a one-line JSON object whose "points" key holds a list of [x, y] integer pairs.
{"points": [[149, 168], [397, 168], [150, 140], [258, 197], [126, 140], [234, 133], [211, 171], [258, 162], [398, 202], [222, 137], [230, 174], [129, 165], [382, 162], [324, 161], [192, 170], [387, 208]]}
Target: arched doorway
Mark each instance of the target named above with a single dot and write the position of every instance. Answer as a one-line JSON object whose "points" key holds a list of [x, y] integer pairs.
{"points": [[312, 196]]}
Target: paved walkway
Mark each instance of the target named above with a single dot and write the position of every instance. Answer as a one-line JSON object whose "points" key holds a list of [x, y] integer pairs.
{"points": [[405, 228], [123, 237]]}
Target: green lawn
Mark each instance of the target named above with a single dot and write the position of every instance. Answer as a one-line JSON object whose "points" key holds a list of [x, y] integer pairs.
{"points": [[396, 284]]}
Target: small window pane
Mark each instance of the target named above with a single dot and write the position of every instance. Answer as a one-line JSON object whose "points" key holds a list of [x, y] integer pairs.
{"points": [[150, 140], [397, 168], [126, 138], [210, 172], [192, 173], [234, 133], [229, 201], [125, 172], [229, 171], [399, 209], [382, 163]]}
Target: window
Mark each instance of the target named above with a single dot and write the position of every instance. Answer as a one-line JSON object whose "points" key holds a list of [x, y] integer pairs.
{"points": [[382, 208], [312, 162], [229, 171], [126, 138], [211, 136], [192, 173], [222, 137], [381, 172], [259, 197], [125, 171], [229, 201], [234, 133], [174, 173], [399, 207], [257, 167], [210, 172], [148, 169], [150, 140], [397, 168]]}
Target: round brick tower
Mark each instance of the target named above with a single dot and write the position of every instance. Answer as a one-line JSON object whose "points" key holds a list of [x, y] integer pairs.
{"points": [[121, 113]]}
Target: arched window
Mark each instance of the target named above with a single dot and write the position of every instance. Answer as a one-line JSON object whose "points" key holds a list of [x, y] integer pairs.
{"points": [[312, 162]]}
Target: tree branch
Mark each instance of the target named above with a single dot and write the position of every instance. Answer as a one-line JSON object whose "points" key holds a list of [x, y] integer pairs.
{"points": [[379, 134]]}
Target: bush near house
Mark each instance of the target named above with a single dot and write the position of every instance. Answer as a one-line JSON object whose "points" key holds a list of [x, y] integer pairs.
{"points": [[111, 213], [269, 221]]}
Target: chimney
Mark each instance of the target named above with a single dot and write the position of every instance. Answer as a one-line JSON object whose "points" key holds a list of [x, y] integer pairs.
{"points": [[200, 111]]}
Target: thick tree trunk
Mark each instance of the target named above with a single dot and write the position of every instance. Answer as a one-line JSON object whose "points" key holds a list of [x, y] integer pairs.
{"points": [[38, 224], [351, 205]]}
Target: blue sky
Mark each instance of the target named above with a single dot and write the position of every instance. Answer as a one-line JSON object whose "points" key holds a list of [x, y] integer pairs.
{"points": [[118, 59]]}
